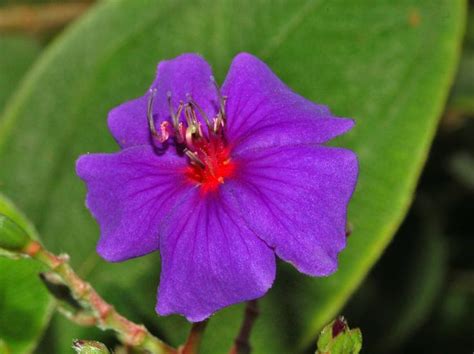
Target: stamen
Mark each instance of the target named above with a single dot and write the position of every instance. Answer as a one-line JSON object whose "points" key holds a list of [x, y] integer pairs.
{"points": [[194, 158], [181, 133], [209, 162], [149, 113], [200, 110], [174, 118], [188, 115], [190, 131], [166, 131], [221, 98]]}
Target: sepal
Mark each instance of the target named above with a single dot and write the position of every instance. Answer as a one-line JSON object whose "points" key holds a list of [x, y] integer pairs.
{"points": [[89, 347], [338, 338]]}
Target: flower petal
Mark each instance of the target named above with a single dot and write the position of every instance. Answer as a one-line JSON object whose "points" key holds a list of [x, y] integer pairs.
{"points": [[129, 193], [187, 74], [210, 259], [295, 198], [262, 111], [128, 123]]}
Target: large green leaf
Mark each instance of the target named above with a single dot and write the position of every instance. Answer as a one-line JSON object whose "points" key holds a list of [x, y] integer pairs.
{"points": [[18, 53], [388, 64]]}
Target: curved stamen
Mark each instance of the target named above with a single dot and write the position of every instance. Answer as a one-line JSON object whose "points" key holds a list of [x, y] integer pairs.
{"points": [[149, 113], [200, 110], [165, 129], [190, 131], [207, 153], [221, 98], [174, 116]]}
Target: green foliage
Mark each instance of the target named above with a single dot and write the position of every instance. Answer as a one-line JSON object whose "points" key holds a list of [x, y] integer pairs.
{"points": [[25, 305], [387, 64], [343, 341], [12, 237], [4, 347], [18, 53]]}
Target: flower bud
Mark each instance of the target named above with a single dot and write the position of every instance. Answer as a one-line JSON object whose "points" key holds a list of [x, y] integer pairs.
{"points": [[338, 338], [12, 237], [89, 347]]}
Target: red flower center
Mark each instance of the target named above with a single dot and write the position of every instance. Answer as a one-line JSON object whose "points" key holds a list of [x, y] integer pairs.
{"points": [[216, 165], [208, 153]]}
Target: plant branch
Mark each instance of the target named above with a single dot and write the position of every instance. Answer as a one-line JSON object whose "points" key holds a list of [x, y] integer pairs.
{"points": [[242, 342], [105, 315], [194, 339]]}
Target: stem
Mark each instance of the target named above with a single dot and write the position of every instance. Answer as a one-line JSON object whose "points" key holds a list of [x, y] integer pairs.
{"points": [[105, 315], [242, 342], [194, 339]]}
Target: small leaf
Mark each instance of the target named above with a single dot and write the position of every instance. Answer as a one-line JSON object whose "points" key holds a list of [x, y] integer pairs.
{"points": [[12, 237], [337, 338], [25, 305]]}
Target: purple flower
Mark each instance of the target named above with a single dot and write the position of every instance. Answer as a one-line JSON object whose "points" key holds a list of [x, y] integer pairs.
{"points": [[221, 181]]}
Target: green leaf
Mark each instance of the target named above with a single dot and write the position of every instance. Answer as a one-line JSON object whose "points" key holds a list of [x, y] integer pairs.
{"points": [[25, 305], [12, 237], [461, 101], [388, 64], [4, 347], [18, 53]]}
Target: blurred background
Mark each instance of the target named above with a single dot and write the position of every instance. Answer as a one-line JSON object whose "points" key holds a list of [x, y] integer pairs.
{"points": [[419, 296]]}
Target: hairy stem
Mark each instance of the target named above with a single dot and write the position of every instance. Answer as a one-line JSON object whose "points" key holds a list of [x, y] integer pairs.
{"points": [[105, 315], [242, 342]]}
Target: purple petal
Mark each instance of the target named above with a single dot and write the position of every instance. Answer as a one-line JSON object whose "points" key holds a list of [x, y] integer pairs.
{"points": [[129, 193], [210, 259], [295, 198], [128, 123], [187, 74], [262, 111]]}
